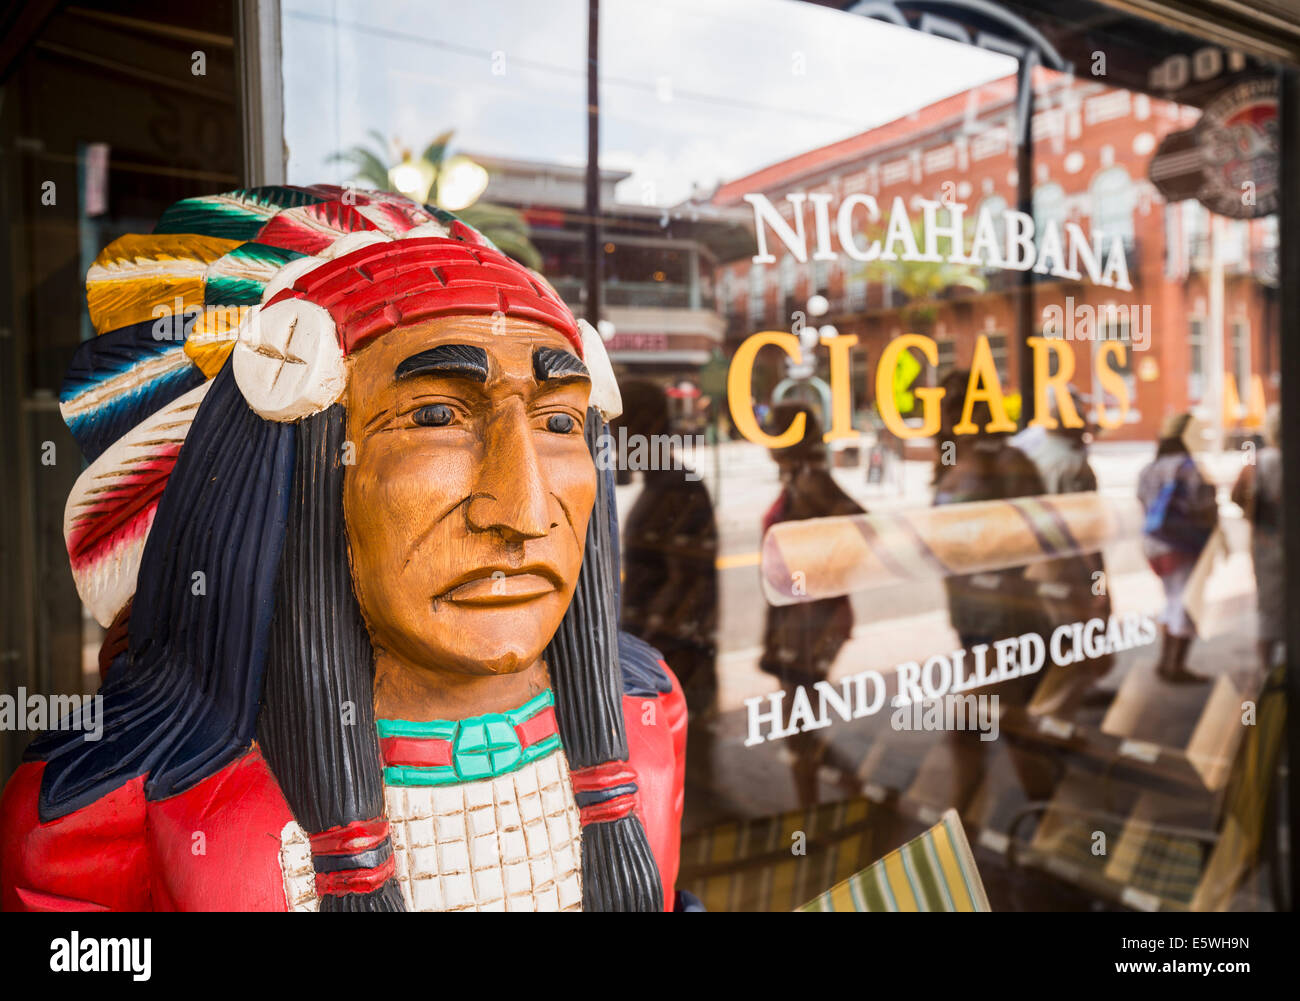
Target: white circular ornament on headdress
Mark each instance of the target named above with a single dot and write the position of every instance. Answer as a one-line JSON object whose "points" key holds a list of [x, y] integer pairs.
{"points": [[287, 361]]}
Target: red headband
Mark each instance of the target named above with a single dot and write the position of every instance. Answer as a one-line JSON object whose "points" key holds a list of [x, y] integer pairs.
{"points": [[378, 287]]}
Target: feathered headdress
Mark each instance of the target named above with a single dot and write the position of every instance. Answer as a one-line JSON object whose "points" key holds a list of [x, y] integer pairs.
{"points": [[281, 283]]}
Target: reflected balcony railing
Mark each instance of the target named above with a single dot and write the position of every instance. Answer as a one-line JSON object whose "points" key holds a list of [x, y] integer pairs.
{"points": [[664, 295], [651, 295]]}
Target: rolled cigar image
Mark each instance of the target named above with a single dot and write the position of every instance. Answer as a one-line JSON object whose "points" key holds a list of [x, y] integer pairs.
{"points": [[828, 557]]}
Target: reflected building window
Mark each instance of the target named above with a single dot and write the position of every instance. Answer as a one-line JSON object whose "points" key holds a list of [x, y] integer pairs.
{"points": [[1236, 241], [998, 349], [1049, 205], [855, 284], [1240, 360], [1196, 360], [1196, 226], [788, 276], [947, 347], [996, 207], [1113, 200], [756, 293], [821, 276]]}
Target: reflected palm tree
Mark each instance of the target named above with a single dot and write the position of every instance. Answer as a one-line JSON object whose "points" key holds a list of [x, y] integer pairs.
{"points": [[923, 283]]}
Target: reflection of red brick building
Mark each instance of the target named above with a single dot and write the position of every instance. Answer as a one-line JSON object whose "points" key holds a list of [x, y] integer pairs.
{"points": [[1092, 148]]}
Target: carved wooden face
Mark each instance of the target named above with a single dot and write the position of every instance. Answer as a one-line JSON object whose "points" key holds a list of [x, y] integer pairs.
{"points": [[468, 502]]}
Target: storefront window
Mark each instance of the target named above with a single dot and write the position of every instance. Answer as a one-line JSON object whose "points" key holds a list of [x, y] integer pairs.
{"points": [[1058, 370]]}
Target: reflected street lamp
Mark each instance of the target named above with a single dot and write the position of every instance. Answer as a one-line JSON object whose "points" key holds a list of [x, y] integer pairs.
{"points": [[461, 183], [412, 177]]}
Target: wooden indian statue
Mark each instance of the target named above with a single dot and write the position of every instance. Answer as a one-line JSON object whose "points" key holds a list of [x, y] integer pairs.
{"points": [[359, 571]]}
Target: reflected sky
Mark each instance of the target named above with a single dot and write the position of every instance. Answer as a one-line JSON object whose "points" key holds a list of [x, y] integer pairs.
{"points": [[693, 92]]}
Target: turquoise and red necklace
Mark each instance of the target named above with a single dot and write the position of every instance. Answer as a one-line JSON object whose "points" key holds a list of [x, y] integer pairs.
{"points": [[447, 752]]}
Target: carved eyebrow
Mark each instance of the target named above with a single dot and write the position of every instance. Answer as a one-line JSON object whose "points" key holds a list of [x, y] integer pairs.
{"points": [[554, 364], [464, 361]]}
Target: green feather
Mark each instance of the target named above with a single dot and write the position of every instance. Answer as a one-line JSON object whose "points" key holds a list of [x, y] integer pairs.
{"points": [[234, 215]]}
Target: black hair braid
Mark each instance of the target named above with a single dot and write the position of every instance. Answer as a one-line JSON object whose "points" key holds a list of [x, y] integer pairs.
{"points": [[618, 868], [317, 726]]}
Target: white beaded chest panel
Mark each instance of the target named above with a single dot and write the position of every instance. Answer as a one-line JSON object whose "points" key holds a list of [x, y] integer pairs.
{"points": [[508, 841]]}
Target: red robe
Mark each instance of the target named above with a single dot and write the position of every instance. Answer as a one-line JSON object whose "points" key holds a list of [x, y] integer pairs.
{"points": [[125, 853]]}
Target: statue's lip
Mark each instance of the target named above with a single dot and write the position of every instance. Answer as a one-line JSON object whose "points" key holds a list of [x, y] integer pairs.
{"points": [[502, 585]]}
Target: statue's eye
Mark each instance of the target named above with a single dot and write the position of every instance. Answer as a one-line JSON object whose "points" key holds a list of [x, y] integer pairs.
{"points": [[438, 415], [560, 423]]}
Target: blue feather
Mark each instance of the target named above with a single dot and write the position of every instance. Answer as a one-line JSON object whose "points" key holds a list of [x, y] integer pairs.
{"points": [[114, 354]]}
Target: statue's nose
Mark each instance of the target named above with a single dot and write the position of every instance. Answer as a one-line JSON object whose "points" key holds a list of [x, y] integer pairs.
{"points": [[509, 495]]}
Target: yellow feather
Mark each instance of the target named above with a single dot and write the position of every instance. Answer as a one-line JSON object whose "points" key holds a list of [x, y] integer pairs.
{"points": [[211, 356], [213, 336], [140, 277], [136, 249]]}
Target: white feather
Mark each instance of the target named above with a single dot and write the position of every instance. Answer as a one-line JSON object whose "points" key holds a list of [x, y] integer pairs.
{"points": [[605, 396]]}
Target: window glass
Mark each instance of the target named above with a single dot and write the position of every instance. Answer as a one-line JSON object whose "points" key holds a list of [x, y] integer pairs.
{"points": [[851, 187]]}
